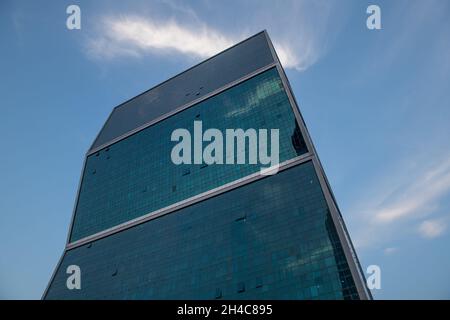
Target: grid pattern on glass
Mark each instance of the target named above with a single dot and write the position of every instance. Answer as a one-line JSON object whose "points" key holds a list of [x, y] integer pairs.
{"points": [[270, 239], [136, 176], [200, 80]]}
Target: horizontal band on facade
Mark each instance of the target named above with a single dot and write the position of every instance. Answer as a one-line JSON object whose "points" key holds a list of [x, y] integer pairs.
{"points": [[183, 107], [179, 205]]}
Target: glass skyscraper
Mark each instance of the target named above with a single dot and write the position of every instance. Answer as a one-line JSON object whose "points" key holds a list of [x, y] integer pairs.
{"points": [[146, 228]]}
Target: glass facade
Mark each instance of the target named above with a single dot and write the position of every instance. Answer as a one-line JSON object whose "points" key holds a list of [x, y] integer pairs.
{"points": [[136, 176], [196, 82], [268, 237], [272, 238]]}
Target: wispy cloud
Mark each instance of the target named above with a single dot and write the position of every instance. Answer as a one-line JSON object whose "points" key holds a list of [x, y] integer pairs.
{"points": [[418, 189], [432, 228], [419, 196], [413, 196], [301, 30], [136, 36], [140, 36]]}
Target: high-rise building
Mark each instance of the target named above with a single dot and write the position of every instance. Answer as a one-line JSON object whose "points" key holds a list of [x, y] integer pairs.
{"points": [[146, 228]]}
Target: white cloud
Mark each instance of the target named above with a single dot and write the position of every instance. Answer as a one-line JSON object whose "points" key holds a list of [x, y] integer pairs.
{"points": [[432, 228], [288, 58], [399, 200], [302, 31], [136, 36], [299, 44], [419, 196]]}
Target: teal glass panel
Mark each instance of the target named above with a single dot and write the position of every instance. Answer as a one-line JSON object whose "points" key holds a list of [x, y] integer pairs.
{"points": [[136, 176], [270, 239]]}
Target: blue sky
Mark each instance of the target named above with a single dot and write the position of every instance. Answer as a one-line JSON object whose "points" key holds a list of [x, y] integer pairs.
{"points": [[377, 104]]}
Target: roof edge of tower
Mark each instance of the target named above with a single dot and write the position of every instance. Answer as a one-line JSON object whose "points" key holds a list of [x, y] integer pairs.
{"points": [[98, 139], [190, 68]]}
